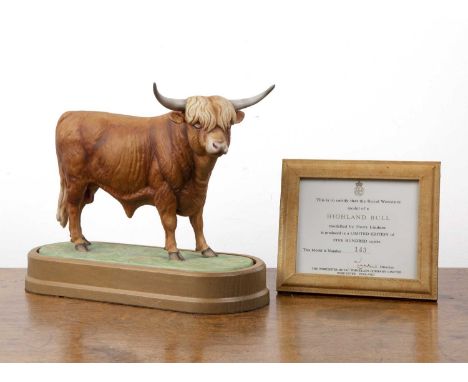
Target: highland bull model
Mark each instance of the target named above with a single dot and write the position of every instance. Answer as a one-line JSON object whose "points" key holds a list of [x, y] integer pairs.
{"points": [[165, 161]]}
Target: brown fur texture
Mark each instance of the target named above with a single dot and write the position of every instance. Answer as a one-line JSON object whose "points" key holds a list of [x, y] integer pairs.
{"points": [[165, 161]]}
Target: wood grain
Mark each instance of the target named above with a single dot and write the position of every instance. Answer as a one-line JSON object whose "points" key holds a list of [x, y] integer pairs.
{"points": [[294, 328]]}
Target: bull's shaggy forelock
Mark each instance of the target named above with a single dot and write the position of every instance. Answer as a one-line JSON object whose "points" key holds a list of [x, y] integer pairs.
{"points": [[210, 112]]}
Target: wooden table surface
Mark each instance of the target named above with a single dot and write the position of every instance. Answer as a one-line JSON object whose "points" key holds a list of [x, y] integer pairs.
{"points": [[293, 328]]}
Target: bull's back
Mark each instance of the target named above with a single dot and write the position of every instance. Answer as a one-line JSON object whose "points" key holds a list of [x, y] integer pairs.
{"points": [[110, 150]]}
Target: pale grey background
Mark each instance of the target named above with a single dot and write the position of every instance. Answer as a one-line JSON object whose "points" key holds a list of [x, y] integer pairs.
{"points": [[355, 80]]}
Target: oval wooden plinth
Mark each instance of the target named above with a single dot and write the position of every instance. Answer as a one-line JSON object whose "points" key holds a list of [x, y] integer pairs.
{"points": [[178, 290]]}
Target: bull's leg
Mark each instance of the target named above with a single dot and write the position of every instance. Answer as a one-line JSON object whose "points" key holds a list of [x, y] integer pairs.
{"points": [[88, 199], [74, 213], [197, 223], [168, 216], [75, 195]]}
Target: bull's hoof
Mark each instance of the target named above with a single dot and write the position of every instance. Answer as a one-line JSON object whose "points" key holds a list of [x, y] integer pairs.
{"points": [[176, 256], [82, 247], [86, 241], [209, 253]]}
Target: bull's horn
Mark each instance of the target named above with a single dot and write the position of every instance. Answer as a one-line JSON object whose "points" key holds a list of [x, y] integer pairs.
{"points": [[246, 102], [170, 103]]}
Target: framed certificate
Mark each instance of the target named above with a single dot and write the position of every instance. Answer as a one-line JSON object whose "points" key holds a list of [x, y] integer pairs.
{"points": [[359, 228]]}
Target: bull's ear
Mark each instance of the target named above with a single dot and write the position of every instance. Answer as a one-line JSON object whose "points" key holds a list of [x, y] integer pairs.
{"points": [[239, 116], [177, 117]]}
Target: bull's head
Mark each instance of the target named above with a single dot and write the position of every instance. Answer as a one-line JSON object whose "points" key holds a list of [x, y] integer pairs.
{"points": [[210, 118]]}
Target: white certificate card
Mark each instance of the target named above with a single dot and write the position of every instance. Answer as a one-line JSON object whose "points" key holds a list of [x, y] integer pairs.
{"points": [[365, 228]]}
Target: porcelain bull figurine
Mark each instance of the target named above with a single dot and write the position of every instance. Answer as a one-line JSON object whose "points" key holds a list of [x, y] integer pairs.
{"points": [[165, 161]]}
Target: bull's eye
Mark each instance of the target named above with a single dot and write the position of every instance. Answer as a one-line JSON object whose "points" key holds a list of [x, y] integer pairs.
{"points": [[197, 125]]}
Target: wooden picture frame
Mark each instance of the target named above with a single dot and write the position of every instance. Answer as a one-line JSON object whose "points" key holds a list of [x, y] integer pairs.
{"points": [[383, 175]]}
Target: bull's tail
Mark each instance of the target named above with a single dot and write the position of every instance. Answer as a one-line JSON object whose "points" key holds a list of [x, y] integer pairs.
{"points": [[62, 213]]}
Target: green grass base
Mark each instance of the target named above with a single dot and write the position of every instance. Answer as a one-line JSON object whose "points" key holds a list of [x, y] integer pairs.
{"points": [[156, 257]]}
